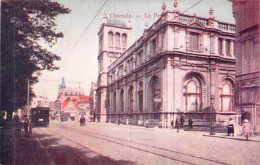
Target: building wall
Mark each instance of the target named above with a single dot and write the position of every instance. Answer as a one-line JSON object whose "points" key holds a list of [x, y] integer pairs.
{"points": [[171, 53], [246, 14]]}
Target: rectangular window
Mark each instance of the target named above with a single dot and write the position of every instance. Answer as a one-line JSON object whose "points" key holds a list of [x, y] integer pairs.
{"points": [[194, 41], [139, 58], [228, 48], [220, 49], [153, 47]]}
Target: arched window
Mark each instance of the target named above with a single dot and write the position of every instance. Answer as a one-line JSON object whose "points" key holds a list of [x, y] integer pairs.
{"points": [[122, 100], [226, 96], [140, 96], [192, 94], [155, 95], [131, 99], [117, 38], [110, 39], [124, 37], [114, 101]]}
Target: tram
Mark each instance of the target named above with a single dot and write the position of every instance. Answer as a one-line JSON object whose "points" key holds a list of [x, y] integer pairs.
{"points": [[40, 116]]}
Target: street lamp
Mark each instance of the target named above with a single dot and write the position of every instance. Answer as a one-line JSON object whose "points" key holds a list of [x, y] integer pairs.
{"points": [[212, 132]]}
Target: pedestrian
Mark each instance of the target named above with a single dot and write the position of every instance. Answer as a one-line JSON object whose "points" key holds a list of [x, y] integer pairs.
{"points": [[172, 123], [177, 124], [190, 123], [146, 123], [182, 122], [230, 127], [118, 122], [26, 125], [246, 128], [81, 120], [17, 125]]}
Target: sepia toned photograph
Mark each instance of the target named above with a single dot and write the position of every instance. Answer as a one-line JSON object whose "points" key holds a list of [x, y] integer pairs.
{"points": [[130, 82]]}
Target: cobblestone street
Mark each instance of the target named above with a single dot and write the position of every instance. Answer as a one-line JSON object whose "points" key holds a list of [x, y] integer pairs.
{"points": [[96, 143]]}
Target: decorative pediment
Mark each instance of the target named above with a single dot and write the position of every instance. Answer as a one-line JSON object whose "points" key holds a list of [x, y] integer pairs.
{"points": [[196, 24]]}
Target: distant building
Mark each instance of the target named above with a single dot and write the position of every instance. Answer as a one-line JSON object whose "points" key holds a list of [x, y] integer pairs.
{"points": [[85, 106], [246, 13], [40, 101], [72, 104], [55, 109], [172, 70]]}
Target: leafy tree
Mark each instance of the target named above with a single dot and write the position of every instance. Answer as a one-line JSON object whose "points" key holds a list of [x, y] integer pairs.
{"points": [[24, 26]]}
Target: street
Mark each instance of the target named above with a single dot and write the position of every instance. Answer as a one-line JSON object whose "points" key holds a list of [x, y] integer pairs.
{"points": [[100, 143]]}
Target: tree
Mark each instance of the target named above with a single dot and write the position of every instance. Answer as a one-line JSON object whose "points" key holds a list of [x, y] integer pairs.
{"points": [[24, 26]]}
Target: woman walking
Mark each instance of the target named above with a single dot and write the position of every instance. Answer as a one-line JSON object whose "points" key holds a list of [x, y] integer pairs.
{"points": [[246, 128]]}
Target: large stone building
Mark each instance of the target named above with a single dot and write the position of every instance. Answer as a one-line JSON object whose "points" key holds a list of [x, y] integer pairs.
{"points": [[92, 93], [172, 70], [247, 53]]}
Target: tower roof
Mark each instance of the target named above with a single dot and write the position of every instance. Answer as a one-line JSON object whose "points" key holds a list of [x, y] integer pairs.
{"points": [[116, 22]]}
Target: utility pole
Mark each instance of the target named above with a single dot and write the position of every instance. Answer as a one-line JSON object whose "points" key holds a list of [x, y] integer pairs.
{"points": [[28, 109], [28, 97]]}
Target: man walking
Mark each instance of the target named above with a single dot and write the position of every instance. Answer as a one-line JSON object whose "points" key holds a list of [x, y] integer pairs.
{"points": [[177, 124]]}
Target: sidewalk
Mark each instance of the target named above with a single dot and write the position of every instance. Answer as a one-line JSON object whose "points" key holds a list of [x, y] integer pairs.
{"points": [[22, 150], [203, 133], [241, 138]]}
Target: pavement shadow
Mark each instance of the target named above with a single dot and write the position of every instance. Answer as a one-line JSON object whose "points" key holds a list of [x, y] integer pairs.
{"points": [[67, 154]]}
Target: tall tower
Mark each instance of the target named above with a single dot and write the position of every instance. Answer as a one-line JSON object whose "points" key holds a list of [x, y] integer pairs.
{"points": [[62, 85], [114, 39]]}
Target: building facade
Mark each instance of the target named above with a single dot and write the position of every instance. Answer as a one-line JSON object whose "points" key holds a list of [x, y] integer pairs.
{"points": [[247, 53], [172, 70], [92, 93]]}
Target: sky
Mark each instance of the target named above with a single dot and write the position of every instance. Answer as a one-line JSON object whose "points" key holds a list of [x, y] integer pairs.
{"points": [[79, 47]]}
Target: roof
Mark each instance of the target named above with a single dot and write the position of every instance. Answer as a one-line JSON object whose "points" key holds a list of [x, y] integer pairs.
{"points": [[67, 101], [116, 22], [85, 99]]}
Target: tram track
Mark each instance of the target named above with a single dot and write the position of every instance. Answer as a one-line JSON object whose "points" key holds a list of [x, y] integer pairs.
{"points": [[158, 151], [75, 156]]}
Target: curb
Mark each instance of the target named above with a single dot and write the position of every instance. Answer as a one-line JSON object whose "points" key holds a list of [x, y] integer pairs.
{"points": [[225, 137]]}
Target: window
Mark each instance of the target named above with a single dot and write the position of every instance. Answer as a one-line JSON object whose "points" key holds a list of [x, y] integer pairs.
{"points": [[122, 100], [100, 42], [130, 64], [163, 40], [131, 99], [155, 96], [194, 41], [140, 58], [140, 95], [117, 38], [114, 101], [220, 49], [228, 48], [110, 39], [124, 37], [120, 74], [192, 94], [226, 97], [153, 47]]}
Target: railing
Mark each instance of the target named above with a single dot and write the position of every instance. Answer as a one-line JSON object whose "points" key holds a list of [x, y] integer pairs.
{"points": [[203, 21], [223, 26], [232, 27], [186, 19]]}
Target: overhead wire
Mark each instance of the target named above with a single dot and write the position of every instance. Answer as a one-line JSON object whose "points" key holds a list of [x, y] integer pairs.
{"points": [[76, 43]]}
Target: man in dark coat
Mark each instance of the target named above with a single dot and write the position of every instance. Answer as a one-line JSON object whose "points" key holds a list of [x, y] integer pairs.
{"points": [[177, 124]]}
